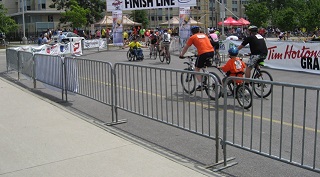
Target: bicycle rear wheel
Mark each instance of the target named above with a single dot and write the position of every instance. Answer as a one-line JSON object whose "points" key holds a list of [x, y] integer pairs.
{"points": [[168, 58], [244, 96], [155, 53], [211, 85], [188, 82], [262, 89], [162, 58]]}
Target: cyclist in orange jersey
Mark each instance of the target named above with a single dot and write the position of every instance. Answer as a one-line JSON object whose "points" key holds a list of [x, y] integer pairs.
{"points": [[205, 51]]}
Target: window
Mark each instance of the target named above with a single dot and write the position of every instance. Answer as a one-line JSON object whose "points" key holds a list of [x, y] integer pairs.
{"points": [[50, 18], [152, 18], [43, 6], [234, 2], [159, 18], [235, 9]]}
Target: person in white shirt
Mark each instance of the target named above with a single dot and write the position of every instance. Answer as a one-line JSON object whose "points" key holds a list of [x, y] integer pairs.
{"points": [[61, 36], [45, 39]]}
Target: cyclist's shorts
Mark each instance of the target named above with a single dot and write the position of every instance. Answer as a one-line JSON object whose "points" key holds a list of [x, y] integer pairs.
{"points": [[255, 59], [202, 60], [165, 44]]}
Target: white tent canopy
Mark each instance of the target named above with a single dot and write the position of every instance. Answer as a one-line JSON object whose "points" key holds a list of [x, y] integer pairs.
{"points": [[107, 21], [174, 21]]}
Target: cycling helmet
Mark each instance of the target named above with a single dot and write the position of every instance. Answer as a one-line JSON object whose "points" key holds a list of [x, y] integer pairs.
{"points": [[253, 28], [195, 29], [233, 51]]}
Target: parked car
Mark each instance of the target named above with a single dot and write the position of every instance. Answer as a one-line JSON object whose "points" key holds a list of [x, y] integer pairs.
{"points": [[70, 36]]}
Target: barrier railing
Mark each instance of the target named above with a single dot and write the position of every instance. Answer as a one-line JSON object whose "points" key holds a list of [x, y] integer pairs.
{"points": [[49, 70], [157, 94], [284, 127], [26, 63], [285, 130], [12, 60]]}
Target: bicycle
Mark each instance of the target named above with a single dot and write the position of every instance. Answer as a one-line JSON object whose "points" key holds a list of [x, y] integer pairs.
{"points": [[188, 80], [166, 55], [240, 91], [154, 51], [261, 89]]}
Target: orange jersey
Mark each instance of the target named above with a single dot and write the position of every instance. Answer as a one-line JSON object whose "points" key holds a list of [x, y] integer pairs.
{"points": [[201, 42], [235, 66]]}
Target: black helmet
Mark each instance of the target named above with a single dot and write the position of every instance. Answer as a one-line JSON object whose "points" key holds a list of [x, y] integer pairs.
{"points": [[233, 51], [195, 29], [253, 28]]}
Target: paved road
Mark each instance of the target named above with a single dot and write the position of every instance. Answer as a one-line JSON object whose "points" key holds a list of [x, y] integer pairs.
{"points": [[188, 145]]}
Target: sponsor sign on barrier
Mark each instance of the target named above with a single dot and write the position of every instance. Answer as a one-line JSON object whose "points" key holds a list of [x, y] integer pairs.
{"points": [[295, 56]]}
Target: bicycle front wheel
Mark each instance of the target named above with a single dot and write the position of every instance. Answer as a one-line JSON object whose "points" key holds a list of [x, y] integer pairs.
{"points": [[244, 96], [188, 82], [212, 83], [262, 89]]}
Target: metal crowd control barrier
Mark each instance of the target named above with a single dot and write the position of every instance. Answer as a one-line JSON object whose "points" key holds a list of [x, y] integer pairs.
{"points": [[12, 60], [92, 79], [284, 127], [157, 94], [26, 63], [49, 70]]}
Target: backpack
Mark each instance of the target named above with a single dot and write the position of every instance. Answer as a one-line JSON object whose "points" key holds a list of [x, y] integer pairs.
{"points": [[153, 38], [166, 37]]}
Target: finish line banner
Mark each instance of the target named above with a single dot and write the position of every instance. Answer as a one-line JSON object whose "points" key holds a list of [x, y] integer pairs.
{"points": [[113, 5]]}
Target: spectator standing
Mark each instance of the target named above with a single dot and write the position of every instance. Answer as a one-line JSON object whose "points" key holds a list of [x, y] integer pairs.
{"points": [[45, 39], [61, 36], [40, 40]]}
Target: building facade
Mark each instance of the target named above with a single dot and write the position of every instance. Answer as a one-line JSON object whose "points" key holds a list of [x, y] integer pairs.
{"points": [[39, 16]]}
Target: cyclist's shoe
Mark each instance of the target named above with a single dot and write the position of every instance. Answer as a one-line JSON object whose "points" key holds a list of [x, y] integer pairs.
{"points": [[199, 88]]}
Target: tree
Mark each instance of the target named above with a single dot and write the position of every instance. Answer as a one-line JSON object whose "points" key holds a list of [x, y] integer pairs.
{"points": [[285, 15], [7, 24], [140, 16], [95, 7], [76, 15], [258, 13]]}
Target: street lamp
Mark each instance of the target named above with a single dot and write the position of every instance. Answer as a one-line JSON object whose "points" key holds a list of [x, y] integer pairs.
{"points": [[24, 39]]}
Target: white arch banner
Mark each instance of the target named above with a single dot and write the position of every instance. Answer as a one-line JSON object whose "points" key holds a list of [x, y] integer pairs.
{"points": [[113, 5]]}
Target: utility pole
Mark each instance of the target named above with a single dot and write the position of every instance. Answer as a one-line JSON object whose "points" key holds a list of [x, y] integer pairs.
{"points": [[24, 39]]}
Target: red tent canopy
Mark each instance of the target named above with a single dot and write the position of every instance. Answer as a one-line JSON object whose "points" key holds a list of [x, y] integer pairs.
{"points": [[230, 22], [243, 21]]}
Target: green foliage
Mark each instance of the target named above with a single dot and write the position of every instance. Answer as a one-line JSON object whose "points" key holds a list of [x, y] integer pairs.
{"points": [[285, 14], [286, 19], [76, 15], [7, 24], [95, 7], [140, 16], [257, 13]]}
